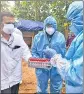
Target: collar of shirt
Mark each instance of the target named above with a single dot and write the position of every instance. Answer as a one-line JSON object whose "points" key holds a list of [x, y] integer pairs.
{"points": [[7, 42]]}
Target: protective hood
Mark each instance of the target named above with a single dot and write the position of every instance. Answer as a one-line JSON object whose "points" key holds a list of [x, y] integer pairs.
{"points": [[75, 15], [50, 21]]}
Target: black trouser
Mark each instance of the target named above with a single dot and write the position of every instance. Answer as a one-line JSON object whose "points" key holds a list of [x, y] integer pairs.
{"points": [[12, 90]]}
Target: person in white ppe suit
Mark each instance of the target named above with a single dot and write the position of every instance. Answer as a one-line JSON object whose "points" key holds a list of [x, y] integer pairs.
{"points": [[13, 50], [71, 67]]}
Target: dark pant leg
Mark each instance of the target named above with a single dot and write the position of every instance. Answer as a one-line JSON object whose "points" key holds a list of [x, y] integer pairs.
{"points": [[15, 89], [6, 91]]}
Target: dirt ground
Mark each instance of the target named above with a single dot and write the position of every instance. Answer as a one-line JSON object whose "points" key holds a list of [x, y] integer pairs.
{"points": [[29, 80]]}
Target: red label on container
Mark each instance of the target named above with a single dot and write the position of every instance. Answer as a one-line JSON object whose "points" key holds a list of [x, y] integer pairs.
{"points": [[39, 60]]}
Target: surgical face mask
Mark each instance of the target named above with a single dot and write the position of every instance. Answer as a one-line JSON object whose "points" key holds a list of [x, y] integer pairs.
{"points": [[50, 30], [8, 28]]}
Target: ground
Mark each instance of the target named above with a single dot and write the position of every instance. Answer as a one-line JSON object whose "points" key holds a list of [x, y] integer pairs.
{"points": [[29, 80]]}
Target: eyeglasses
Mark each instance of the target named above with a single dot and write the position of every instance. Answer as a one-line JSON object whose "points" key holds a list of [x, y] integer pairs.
{"points": [[10, 23], [49, 25], [14, 23]]}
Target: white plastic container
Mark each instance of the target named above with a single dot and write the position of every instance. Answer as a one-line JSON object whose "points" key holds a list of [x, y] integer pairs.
{"points": [[39, 63]]}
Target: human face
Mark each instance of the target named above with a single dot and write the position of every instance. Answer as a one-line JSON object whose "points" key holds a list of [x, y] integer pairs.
{"points": [[6, 20]]}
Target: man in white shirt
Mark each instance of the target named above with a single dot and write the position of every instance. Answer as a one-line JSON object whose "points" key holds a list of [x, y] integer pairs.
{"points": [[13, 50]]}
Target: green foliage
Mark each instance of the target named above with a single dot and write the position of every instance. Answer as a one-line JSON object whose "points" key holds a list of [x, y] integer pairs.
{"points": [[4, 6], [39, 10], [59, 10]]}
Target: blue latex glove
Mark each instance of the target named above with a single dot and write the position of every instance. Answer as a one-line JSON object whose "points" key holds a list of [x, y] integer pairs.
{"points": [[49, 53]]}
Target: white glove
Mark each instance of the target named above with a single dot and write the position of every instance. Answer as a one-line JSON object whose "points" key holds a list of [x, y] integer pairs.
{"points": [[61, 64], [54, 59]]}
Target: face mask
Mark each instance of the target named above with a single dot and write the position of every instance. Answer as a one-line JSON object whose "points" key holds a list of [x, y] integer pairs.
{"points": [[12, 23], [8, 28], [50, 30]]}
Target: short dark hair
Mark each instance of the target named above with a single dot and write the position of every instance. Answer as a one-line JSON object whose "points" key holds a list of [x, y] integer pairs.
{"points": [[8, 14]]}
